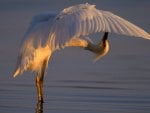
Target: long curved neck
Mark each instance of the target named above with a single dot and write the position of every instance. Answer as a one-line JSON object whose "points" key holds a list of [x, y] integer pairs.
{"points": [[101, 49]]}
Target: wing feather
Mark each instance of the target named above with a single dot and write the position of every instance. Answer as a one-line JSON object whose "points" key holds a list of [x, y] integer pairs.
{"points": [[84, 19], [35, 37]]}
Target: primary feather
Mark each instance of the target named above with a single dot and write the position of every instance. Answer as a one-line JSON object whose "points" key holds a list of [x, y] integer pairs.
{"points": [[84, 19]]}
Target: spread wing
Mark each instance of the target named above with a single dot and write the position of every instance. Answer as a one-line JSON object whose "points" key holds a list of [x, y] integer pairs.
{"points": [[84, 19]]}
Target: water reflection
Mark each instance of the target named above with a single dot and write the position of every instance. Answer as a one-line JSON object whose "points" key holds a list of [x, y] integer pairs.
{"points": [[39, 107]]}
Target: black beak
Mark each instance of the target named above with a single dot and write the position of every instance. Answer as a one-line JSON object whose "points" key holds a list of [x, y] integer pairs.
{"points": [[105, 37]]}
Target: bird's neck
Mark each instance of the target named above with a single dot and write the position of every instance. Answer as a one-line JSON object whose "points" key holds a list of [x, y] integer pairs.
{"points": [[101, 49]]}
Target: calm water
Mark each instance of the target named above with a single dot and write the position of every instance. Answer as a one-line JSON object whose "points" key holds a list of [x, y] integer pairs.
{"points": [[119, 83]]}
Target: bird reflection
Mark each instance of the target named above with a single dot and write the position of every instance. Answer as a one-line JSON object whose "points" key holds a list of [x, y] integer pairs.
{"points": [[39, 107]]}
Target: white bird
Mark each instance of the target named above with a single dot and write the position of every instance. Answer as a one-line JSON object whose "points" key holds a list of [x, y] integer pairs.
{"points": [[49, 32]]}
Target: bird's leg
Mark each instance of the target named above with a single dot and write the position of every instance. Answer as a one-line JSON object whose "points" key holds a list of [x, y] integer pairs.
{"points": [[39, 85], [39, 107], [39, 82]]}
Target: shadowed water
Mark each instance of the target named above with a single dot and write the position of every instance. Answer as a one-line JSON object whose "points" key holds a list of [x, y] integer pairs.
{"points": [[118, 83]]}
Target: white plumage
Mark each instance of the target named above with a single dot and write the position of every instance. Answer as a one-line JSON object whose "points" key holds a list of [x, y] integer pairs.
{"points": [[84, 19], [49, 32], [34, 42]]}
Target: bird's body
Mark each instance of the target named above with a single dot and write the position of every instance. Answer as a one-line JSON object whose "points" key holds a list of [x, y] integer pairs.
{"points": [[41, 54], [34, 49], [49, 32]]}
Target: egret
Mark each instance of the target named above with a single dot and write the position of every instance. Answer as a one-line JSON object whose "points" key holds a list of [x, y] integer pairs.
{"points": [[49, 32]]}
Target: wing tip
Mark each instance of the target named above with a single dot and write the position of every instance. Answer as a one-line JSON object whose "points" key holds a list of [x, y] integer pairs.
{"points": [[146, 36]]}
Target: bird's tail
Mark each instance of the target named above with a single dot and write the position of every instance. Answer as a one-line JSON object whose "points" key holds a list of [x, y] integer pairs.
{"points": [[16, 72]]}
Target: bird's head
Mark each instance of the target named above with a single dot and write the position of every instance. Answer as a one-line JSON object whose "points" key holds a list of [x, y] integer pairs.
{"points": [[102, 47]]}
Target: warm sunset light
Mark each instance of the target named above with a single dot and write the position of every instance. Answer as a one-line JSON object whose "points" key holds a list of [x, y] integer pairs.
{"points": [[51, 32]]}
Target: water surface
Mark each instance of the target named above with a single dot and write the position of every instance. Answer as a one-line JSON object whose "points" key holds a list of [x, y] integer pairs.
{"points": [[119, 83]]}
